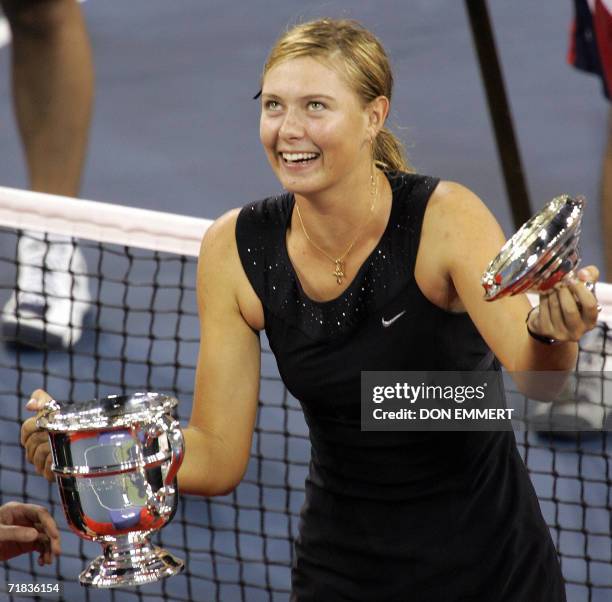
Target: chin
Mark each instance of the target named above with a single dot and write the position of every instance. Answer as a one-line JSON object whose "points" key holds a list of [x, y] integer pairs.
{"points": [[301, 188], [301, 184]]}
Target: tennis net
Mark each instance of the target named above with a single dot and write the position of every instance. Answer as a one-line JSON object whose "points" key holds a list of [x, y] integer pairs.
{"points": [[140, 332]]}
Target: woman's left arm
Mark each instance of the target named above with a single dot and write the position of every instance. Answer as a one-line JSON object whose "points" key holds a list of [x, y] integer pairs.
{"points": [[471, 239]]}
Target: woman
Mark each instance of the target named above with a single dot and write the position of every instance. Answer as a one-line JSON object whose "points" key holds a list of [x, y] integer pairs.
{"points": [[363, 266]]}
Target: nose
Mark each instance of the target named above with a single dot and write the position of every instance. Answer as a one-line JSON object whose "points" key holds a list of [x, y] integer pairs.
{"points": [[292, 126]]}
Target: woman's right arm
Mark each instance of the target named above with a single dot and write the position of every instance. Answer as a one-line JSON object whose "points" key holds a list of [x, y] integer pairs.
{"points": [[218, 437]]}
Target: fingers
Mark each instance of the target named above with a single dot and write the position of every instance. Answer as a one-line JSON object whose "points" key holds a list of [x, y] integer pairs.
{"points": [[27, 515], [587, 300], [49, 534], [43, 547], [589, 273], [38, 400], [33, 527], [38, 453], [570, 309], [47, 471], [31, 539], [569, 313], [27, 429], [544, 325], [558, 326], [18, 534], [39, 458], [42, 519], [34, 440]]}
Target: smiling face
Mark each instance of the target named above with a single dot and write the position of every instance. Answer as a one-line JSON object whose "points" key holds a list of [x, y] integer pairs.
{"points": [[313, 127]]}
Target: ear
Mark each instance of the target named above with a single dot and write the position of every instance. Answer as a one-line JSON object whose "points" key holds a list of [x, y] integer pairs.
{"points": [[378, 110]]}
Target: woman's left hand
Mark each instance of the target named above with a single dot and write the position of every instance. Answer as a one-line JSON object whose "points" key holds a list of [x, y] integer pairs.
{"points": [[568, 310]]}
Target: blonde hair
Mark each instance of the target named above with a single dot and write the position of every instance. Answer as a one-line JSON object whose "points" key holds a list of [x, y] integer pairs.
{"points": [[366, 67]]}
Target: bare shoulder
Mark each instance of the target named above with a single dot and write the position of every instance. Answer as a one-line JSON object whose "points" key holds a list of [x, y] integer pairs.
{"points": [[220, 271], [220, 236], [458, 233], [462, 220], [453, 201]]}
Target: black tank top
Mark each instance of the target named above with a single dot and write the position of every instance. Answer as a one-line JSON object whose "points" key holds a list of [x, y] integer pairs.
{"points": [[429, 517]]}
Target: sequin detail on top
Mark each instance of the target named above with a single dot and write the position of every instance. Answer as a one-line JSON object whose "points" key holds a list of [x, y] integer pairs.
{"points": [[260, 234]]}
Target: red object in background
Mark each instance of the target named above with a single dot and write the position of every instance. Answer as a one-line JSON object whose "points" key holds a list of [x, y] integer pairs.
{"points": [[590, 47]]}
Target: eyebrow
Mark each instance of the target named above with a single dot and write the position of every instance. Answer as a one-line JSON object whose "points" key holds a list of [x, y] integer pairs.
{"points": [[307, 97]]}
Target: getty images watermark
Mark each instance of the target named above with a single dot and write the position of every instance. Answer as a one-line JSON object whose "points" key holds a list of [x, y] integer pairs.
{"points": [[480, 401]]}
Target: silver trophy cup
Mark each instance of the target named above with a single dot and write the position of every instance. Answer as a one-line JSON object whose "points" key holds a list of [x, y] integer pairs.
{"points": [[116, 461], [542, 252]]}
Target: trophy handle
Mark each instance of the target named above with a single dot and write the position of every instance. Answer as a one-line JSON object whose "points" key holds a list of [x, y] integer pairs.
{"points": [[177, 447], [171, 428]]}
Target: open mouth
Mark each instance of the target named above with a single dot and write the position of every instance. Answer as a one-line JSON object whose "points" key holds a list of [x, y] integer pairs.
{"points": [[298, 158]]}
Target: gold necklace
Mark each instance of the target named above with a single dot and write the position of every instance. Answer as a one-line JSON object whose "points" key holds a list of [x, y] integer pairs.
{"points": [[339, 273]]}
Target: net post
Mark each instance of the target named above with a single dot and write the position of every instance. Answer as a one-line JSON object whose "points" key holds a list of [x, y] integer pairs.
{"points": [[499, 110]]}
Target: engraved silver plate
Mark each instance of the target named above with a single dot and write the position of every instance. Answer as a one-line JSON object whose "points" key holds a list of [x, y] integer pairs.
{"points": [[542, 252]]}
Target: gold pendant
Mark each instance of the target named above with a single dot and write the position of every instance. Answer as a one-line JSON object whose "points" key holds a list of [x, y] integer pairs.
{"points": [[339, 273]]}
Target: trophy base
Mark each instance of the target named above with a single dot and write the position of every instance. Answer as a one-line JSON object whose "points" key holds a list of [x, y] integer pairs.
{"points": [[126, 562]]}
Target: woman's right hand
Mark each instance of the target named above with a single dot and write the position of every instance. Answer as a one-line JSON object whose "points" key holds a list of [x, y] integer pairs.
{"points": [[35, 440]]}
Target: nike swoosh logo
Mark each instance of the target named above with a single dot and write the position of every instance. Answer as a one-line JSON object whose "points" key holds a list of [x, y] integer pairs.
{"points": [[387, 323]]}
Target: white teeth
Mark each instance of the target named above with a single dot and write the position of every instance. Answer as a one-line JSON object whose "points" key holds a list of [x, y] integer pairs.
{"points": [[298, 156]]}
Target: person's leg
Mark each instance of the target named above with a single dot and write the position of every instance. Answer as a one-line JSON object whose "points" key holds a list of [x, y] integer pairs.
{"points": [[52, 89], [606, 203], [53, 92]]}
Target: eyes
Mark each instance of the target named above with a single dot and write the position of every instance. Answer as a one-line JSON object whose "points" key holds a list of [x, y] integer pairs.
{"points": [[312, 105], [315, 105]]}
